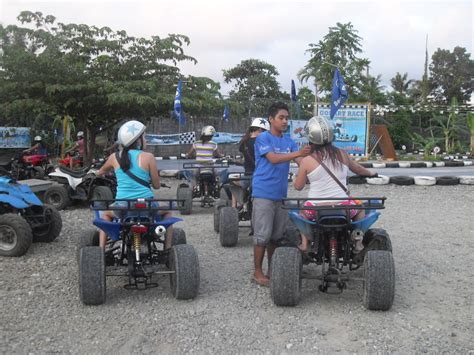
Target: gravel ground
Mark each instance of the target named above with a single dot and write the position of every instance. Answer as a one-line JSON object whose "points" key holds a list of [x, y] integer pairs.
{"points": [[432, 232]]}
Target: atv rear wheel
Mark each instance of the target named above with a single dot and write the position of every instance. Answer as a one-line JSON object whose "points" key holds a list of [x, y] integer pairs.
{"points": [[15, 235], [285, 280], [379, 280], [88, 238], [92, 286], [179, 237], [51, 230], [57, 196], [185, 279]]}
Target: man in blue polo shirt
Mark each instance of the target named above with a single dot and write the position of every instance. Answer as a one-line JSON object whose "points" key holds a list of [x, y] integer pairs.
{"points": [[273, 152]]}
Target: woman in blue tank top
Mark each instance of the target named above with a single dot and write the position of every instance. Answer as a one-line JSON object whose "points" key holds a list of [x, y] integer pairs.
{"points": [[134, 160]]}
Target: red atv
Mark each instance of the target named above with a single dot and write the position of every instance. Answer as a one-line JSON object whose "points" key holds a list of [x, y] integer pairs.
{"points": [[77, 161], [38, 160]]}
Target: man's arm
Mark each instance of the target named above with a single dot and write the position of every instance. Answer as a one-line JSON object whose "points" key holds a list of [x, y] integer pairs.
{"points": [[275, 158]]}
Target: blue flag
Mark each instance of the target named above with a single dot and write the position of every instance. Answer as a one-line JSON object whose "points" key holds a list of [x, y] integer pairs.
{"points": [[339, 93], [177, 105], [226, 114], [293, 91]]}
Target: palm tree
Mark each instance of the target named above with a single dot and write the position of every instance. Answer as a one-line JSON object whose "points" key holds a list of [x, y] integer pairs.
{"points": [[400, 83]]}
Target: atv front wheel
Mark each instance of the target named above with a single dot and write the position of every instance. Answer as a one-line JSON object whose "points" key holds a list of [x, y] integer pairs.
{"points": [[185, 193], [15, 235], [52, 228], [228, 226], [57, 196]]}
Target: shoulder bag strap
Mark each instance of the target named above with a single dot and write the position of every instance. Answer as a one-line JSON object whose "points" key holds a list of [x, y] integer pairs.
{"points": [[331, 174], [130, 174]]}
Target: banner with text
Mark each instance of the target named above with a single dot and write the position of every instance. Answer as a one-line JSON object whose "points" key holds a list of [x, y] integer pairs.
{"points": [[351, 124], [190, 138], [15, 137]]}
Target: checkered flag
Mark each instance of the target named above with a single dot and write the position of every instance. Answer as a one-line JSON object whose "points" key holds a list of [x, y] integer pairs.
{"points": [[187, 138]]}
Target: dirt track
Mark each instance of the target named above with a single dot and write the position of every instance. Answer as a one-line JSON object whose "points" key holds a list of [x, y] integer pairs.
{"points": [[432, 232]]}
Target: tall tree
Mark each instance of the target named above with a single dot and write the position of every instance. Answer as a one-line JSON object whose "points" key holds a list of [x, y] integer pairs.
{"points": [[340, 47], [254, 81], [400, 83], [452, 75], [95, 75]]}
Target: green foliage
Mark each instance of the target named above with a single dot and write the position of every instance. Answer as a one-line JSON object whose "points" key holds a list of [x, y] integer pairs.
{"points": [[254, 85], [400, 83], [340, 47], [95, 75], [452, 75]]}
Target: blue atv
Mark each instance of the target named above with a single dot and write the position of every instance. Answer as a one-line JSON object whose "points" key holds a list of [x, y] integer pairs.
{"points": [[136, 249], [24, 219], [333, 238]]}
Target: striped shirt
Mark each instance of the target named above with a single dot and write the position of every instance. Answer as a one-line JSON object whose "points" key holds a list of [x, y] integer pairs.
{"points": [[205, 151]]}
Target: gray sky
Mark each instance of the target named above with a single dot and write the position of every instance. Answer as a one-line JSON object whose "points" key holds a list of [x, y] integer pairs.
{"points": [[224, 32]]}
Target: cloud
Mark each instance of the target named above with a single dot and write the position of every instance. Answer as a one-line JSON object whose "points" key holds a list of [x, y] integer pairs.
{"points": [[224, 32]]}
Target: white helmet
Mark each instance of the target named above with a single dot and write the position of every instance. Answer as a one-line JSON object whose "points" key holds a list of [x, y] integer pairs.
{"points": [[80, 134], [338, 123], [319, 131], [260, 123], [37, 139], [208, 131], [129, 132]]}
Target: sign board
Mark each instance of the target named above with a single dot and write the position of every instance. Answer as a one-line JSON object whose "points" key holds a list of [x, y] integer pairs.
{"points": [[351, 124], [15, 137], [351, 127]]}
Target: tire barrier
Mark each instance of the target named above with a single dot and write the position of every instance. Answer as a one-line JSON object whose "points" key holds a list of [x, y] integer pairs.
{"points": [[392, 165], [466, 180], [404, 164], [402, 180], [418, 164], [378, 165], [467, 163], [425, 180], [380, 180], [447, 180], [428, 164], [356, 180], [438, 164], [451, 163]]}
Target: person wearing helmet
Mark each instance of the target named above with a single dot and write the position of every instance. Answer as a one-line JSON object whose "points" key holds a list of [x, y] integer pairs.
{"points": [[247, 148], [38, 147], [273, 152], [131, 165], [78, 149], [320, 134], [205, 150]]}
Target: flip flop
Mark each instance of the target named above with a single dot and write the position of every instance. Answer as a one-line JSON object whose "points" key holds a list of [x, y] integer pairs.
{"points": [[262, 282]]}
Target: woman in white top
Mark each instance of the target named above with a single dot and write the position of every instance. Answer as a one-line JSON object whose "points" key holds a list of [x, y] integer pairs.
{"points": [[320, 135]]}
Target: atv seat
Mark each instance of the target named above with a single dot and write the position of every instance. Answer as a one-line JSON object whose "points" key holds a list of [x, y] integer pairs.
{"points": [[74, 173]]}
